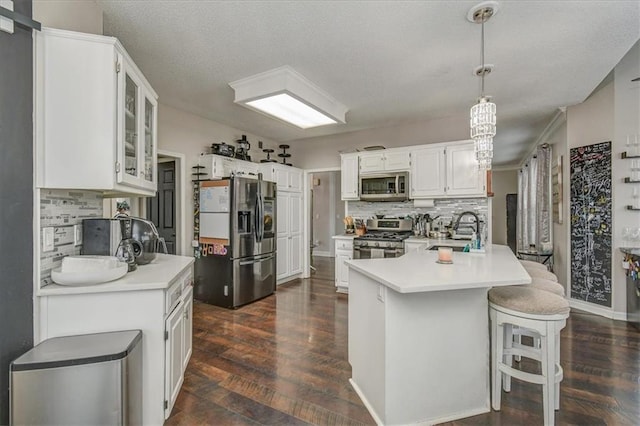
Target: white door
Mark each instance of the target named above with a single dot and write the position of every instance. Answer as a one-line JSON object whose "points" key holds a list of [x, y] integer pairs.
{"points": [[396, 161], [371, 163], [342, 270], [188, 326], [463, 175], [427, 173], [283, 257], [295, 254], [174, 345], [349, 177], [282, 216], [295, 179], [295, 213]]}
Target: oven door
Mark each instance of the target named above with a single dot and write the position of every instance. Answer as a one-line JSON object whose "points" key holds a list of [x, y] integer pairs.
{"points": [[376, 253]]}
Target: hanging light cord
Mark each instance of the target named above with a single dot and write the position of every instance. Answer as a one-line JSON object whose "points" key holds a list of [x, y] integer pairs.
{"points": [[482, 70]]}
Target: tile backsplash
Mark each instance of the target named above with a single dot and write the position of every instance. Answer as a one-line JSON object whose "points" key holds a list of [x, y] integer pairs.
{"points": [[444, 208], [61, 209]]}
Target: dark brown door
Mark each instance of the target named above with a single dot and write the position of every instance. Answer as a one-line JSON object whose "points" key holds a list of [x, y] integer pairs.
{"points": [[161, 209]]}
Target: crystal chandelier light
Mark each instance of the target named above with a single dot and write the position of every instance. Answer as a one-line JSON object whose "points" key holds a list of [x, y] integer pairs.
{"points": [[483, 113]]}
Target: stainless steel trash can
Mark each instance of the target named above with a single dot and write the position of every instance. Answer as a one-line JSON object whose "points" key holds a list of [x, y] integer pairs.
{"points": [[92, 379]]}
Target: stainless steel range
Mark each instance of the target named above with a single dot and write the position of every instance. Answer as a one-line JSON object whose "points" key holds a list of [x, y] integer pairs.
{"points": [[384, 238]]}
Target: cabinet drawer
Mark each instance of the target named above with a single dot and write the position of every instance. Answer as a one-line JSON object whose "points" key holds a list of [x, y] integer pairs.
{"points": [[344, 245], [173, 296], [348, 253]]}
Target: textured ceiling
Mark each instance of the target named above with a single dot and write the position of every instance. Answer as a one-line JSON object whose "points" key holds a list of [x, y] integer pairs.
{"points": [[389, 62]]}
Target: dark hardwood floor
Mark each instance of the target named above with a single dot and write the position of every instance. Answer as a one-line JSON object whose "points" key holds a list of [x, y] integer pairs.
{"points": [[283, 361]]}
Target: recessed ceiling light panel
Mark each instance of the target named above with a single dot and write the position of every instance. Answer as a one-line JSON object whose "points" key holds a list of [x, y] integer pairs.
{"points": [[285, 94]]}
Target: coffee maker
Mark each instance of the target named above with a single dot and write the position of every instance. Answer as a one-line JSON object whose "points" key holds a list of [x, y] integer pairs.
{"points": [[110, 237], [242, 151]]}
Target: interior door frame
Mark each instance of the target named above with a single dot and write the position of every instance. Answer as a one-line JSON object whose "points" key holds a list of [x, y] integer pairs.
{"points": [[306, 222], [182, 242]]}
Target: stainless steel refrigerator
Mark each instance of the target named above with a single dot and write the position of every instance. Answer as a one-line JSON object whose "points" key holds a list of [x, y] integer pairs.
{"points": [[237, 241]]}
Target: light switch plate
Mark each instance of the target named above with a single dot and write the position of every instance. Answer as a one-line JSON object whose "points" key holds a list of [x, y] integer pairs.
{"points": [[6, 24], [47, 239]]}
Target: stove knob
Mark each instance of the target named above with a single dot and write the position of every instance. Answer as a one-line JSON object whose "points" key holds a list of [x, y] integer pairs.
{"points": [[377, 244], [364, 244]]}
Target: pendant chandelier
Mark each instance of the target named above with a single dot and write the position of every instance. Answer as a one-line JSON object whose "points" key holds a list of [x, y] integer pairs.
{"points": [[483, 113]]}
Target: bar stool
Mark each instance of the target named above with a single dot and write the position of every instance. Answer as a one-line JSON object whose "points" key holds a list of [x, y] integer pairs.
{"points": [[547, 285], [532, 264], [539, 273], [545, 314]]}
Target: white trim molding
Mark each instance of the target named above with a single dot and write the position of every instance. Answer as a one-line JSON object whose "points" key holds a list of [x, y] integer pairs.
{"points": [[597, 310]]}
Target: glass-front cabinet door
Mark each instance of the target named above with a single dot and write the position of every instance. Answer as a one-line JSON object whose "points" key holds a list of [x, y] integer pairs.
{"points": [[149, 140], [138, 114], [131, 127]]}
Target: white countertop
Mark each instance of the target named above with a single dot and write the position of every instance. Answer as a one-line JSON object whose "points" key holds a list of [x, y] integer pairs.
{"points": [[438, 241], [155, 275], [418, 271], [631, 251], [344, 237]]}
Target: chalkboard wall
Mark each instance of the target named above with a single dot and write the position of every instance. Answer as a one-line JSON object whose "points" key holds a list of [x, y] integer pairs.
{"points": [[590, 168]]}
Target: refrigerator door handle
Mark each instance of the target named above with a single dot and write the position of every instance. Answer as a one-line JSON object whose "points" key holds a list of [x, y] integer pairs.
{"points": [[256, 220], [258, 260], [261, 217]]}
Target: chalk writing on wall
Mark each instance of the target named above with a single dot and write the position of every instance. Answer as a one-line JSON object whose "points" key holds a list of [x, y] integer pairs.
{"points": [[590, 208]]}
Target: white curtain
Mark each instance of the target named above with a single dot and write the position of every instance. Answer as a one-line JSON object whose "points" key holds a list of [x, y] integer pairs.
{"points": [[534, 230]]}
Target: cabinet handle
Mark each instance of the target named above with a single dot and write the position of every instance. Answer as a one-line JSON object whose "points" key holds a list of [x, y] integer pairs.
{"points": [[186, 314]]}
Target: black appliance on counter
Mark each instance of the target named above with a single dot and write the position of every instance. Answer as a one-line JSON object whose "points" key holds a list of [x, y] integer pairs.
{"points": [[237, 239], [223, 149], [384, 238], [109, 237], [242, 151]]}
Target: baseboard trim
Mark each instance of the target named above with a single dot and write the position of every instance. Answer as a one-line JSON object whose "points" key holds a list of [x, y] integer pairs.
{"points": [[598, 310], [366, 403], [322, 253]]}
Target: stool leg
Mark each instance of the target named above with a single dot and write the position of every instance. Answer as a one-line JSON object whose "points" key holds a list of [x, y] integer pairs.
{"points": [[548, 371], [507, 359], [557, 361], [497, 336], [517, 358]]}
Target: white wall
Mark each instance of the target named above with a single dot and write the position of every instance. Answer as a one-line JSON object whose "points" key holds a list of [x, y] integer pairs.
{"points": [[503, 182], [84, 16], [191, 135], [561, 261], [626, 122]]}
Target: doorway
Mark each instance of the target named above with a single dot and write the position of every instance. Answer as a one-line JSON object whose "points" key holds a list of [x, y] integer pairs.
{"points": [[324, 211], [161, 209]]}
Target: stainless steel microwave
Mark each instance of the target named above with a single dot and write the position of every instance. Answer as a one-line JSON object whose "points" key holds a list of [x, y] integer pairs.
{"points": [[385, 187]]}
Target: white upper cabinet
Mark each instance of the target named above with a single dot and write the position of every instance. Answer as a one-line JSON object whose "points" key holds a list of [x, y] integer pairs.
{"points": [[427, 172], [463, 175], [349, 176], [95, 116], [384, 161], [446, 171], [287, 178]]}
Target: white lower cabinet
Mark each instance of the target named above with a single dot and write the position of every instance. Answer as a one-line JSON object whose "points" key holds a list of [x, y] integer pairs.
{"points": [[178, 348], [162, 312], [344, 252], [410, 246], [289, 236]]}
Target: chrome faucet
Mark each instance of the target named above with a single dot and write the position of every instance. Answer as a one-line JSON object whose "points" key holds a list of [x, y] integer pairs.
{"points": [[457, 224]]}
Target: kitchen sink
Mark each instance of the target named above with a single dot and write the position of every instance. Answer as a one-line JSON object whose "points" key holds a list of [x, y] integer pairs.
{"points": [[454, 248]]}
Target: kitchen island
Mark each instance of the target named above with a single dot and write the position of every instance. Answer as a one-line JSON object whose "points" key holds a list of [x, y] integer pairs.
{"points": [[155, 298], [419, 333]]}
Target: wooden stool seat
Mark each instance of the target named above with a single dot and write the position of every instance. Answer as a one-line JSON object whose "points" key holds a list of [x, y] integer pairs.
{"points": [[540, 312]]}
